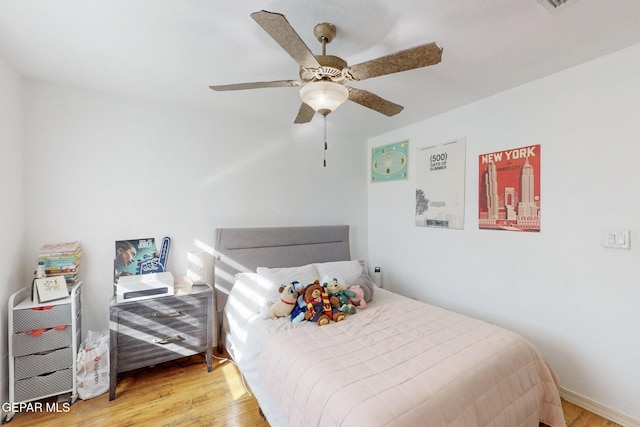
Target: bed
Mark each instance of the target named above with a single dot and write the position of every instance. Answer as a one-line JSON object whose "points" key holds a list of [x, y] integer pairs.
{"points": [[398, 362]]}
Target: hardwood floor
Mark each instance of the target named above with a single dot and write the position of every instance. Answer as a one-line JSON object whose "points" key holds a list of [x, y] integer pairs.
{"points": [[182, 393], [575, 416]]}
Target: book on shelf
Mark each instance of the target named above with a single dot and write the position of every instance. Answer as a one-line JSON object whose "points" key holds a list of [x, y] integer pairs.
{"points": [[59, 249], [72, 280], [63, 257], [58, 271], [60, 261]]}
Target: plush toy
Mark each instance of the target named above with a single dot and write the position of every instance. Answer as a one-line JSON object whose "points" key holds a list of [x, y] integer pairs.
{"points": [[319, 305], [284, 307], [358, 299], [298, 312], [335, 289]]}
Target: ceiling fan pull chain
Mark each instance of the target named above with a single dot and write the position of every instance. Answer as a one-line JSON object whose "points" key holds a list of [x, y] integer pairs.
{"points": [[324, 163]]}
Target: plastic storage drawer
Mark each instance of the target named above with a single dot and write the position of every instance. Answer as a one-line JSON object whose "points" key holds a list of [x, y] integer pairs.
{"points": [[29, 319], [50, 339], [54, 383], [37, 364]]}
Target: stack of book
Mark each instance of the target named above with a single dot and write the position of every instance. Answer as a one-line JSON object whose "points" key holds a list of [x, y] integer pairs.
{"points": [[61, 259]]}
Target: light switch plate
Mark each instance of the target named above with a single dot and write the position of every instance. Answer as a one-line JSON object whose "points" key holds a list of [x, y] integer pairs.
{"points": [[617, 239]]}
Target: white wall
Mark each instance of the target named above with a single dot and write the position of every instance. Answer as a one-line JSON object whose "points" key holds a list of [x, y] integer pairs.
{"points": [[11, 203], [109, 168], [576, 300]]}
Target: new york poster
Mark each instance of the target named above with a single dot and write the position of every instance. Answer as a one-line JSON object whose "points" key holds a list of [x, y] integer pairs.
{"points": [[509, 189]]}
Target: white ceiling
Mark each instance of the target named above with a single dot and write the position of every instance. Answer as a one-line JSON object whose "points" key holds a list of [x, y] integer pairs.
{"points": [[172, 50]]}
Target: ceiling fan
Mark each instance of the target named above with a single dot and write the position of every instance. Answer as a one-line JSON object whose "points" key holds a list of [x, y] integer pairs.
{"points": [[322, 77]]}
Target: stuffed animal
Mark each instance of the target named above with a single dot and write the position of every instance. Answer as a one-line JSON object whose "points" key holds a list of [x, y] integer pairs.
{"points": [[284, 307], [335, 289], [298, 312], [358, 299], [319, 305]]}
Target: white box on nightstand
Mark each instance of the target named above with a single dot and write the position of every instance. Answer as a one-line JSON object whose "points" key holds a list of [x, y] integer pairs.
{"points": [[144, 286]]}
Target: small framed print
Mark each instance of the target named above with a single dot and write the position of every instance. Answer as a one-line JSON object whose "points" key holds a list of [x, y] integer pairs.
{"points": [[390, 162], [51, 288]]}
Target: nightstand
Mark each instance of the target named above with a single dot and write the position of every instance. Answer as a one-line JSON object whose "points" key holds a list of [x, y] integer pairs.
{"points": [[156, 330]]}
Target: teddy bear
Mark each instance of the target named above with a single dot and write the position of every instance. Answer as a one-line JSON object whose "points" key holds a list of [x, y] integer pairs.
{"points": [[357, 300], [284, 307], [319, 305], [335, 289]]}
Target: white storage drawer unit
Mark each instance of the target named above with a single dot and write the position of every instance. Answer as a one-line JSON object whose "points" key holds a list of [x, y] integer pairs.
{"points": [[43, 346]]}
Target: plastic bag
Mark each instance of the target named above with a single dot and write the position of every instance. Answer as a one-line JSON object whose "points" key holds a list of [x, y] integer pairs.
{"points": [[92, 375]]}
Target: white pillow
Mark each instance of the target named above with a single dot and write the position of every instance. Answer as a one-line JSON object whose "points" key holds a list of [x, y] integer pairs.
{"points": [[270, 279], [345, 270]]}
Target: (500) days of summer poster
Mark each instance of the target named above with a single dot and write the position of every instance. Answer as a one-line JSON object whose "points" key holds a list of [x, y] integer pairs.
{"points": [[509, 189], [440, 185]]}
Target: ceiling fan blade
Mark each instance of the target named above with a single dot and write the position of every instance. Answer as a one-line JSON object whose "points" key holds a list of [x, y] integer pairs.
{"points": [[277, 26], [373, 101], [305, 114], [256, 85], [417, 57]]}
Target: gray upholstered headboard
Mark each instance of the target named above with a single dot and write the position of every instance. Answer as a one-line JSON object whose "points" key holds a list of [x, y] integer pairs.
{"points": [[245, 249], [240, 250]]}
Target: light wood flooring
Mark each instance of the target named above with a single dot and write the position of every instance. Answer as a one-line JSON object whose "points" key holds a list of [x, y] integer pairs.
{"points": [[182, 393]]}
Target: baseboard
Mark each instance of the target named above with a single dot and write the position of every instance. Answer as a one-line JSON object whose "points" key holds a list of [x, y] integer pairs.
{"points": [[599, 409]]}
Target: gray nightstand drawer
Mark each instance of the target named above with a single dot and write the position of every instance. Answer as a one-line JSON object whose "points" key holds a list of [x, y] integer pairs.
{"points": [[149, 331], [166, 308], [29, 319], [51, 339], [44, 385], [37, 364], [164, 321], [146, 345]]}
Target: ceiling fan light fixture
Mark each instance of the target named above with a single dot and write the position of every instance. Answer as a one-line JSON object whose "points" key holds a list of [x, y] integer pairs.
{"points": [[324, 96]]}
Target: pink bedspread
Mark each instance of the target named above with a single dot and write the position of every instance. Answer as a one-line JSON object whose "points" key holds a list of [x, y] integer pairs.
{"points": [[409, 364]]}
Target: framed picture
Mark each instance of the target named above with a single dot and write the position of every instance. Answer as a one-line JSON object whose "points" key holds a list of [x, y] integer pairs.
{"points": [[390, 162], [51, 288], [509, 189]]}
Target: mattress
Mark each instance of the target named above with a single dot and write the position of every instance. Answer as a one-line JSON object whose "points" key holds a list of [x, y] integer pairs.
{"points": [[398, 362]]}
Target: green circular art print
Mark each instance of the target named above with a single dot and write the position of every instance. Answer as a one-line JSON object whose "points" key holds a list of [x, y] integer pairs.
{"points": [[390, 162]]}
